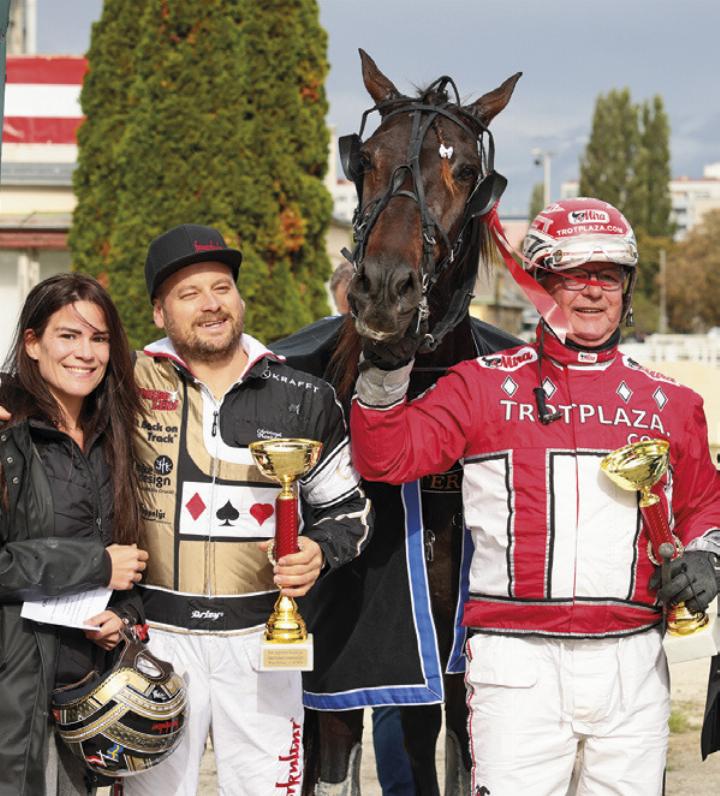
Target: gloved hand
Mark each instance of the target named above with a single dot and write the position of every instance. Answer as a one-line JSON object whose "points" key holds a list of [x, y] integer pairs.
{"points": [[693, 580], [395, 354]]}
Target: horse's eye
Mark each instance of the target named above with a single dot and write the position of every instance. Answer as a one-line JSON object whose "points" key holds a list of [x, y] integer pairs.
{"points": [[466, 174], [364, 161]]}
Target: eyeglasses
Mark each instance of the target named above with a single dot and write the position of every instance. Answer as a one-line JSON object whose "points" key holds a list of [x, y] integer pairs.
{"points": [[609, 279]]}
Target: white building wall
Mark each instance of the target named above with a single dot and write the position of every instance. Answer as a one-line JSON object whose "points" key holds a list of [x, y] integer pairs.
{"points": [[691, 198]]}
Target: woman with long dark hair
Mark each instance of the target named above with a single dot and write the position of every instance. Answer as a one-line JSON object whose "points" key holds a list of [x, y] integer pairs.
{"points": [[69, 514]]}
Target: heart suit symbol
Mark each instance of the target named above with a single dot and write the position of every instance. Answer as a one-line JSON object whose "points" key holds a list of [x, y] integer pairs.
{"points": [[261, 511]]}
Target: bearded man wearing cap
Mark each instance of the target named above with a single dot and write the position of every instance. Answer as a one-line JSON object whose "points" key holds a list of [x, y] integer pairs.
{"points": [[210, 390], [564, 603]]}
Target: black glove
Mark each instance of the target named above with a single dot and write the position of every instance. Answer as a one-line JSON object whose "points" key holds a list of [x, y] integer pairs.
{"points": [[395, 354], [692, 580]]}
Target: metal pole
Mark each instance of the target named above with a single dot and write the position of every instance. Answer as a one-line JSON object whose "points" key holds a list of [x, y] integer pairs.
{"points": [[4, 20], [30, 27], [544, 157], [663, 320], [546, 178]]}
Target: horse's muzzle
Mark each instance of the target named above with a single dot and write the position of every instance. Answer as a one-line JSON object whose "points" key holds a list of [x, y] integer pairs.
{"points": [[384, 297]]}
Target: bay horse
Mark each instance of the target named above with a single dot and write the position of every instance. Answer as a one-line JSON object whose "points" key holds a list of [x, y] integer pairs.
{"points": [[424, 179]]}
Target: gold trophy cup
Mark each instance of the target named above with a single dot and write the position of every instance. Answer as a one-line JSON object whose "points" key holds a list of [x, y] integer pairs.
{"points": [[287, 644], [637, 468]]}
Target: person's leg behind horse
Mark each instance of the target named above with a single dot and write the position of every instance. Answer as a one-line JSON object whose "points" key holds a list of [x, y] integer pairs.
{"points": [[392, 763], [421, 727]]}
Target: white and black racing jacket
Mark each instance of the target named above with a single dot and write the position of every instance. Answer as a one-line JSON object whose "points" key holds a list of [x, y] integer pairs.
{"points": [[559, 550], [205, 504]]}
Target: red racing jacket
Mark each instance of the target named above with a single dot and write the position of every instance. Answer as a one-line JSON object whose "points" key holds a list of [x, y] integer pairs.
{"points": [[559, 550]]}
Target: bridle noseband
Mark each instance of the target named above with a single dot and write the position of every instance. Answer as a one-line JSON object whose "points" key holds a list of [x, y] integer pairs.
{"points": [[488, 188]]}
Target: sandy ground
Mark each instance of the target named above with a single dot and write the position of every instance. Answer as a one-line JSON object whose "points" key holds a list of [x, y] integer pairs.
{"points": [[686, 771]]}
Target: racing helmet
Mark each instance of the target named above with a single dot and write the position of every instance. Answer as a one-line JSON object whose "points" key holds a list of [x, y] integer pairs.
{"points": [[571, 232], [128, 719]]}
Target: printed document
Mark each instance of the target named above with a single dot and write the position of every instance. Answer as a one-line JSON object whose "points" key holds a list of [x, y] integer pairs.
{"points": [[70, 610]]}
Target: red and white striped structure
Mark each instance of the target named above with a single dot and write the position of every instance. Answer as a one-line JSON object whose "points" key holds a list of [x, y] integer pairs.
{"points": [[42, 108]]}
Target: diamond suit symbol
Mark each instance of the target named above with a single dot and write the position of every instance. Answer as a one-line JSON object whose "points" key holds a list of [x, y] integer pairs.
{"points": [[195, 506]]}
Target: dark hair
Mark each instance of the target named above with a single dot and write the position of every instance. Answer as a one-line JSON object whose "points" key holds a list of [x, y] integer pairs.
{"points": [[112, 409]]}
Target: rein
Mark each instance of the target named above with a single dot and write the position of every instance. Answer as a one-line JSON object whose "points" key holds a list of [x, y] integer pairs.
{"points": [[485, 193]]}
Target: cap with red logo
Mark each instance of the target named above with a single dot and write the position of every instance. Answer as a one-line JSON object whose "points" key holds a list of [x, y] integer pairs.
{"points": [[186, 245], [571, 232]]}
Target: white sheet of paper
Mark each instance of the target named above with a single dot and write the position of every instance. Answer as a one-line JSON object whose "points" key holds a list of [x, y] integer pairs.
{"points": [[71, 610]]}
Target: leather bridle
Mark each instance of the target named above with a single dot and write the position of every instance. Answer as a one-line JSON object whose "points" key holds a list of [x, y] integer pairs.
{"points": [[487, 190]]}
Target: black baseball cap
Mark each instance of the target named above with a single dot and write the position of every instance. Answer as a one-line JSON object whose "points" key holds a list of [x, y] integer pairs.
{"points": [[186, 245]]}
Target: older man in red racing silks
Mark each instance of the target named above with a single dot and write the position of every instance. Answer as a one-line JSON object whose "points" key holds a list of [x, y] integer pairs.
{"points": [[566, 650]]}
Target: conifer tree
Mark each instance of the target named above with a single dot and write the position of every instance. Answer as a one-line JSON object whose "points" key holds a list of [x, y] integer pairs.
{"points": [[283, 211], [627, 163], [179, 153], [655, 144], [98, 180], [607, 167], [223, 110], [537, 200]]}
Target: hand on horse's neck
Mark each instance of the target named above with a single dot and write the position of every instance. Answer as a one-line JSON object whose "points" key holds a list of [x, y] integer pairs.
{"points": [[455, 347]]}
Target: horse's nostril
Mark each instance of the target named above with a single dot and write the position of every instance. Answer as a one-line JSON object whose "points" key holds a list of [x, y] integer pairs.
{"points": [[409, 285]]}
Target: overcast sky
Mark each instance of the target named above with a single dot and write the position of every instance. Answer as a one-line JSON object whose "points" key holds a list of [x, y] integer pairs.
{"points": [[569, 51]]}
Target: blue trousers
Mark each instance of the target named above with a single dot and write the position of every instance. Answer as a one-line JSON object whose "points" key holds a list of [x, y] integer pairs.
{"points": [[391, 760]]}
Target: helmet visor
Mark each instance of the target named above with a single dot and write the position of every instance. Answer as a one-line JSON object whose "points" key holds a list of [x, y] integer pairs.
{"points": [[573, 253]]}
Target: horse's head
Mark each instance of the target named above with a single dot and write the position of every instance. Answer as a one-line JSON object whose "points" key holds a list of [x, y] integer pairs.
{"points": [[422, 177]]}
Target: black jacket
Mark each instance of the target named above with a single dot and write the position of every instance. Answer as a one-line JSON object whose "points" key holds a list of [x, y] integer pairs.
{"points": [[38, 559]]}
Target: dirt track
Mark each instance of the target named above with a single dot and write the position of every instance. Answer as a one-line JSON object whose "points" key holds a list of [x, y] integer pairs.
{"points": [[687, 774]]}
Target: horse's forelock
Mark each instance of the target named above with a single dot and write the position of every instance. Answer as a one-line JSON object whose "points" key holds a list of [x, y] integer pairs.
{"points": [[430, 95]]}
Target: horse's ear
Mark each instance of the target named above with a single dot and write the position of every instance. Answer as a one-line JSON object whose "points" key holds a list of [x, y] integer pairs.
{"points": [[489, 105], [379, 87]]}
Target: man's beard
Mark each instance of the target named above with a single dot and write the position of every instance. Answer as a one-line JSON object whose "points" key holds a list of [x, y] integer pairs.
{"points": [[193, 347]]}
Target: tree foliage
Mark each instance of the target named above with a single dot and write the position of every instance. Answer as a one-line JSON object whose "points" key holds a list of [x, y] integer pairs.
{"points": [[224, 109], [627, 160], [693, 284], [655, 149], [283, 207], [607, 167], [646, 302], [627, 163], [97, 180], [537, 200]]}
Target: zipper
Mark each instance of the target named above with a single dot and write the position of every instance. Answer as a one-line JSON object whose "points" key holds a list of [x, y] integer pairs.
{"points": [[209, 544]]}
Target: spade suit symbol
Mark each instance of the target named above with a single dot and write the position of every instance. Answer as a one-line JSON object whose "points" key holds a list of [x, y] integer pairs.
{"points": [[227, 513]]}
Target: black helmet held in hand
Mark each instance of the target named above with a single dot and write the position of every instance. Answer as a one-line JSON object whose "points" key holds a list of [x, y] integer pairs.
{"points": [[126, 720]]}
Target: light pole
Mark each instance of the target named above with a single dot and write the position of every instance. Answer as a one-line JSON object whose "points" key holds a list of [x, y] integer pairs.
{"points": [[543, 158], [663, 318]]}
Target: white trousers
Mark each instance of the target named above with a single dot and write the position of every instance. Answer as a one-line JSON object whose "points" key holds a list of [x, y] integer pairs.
{"points": [[534, 703], [255, 719]]}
